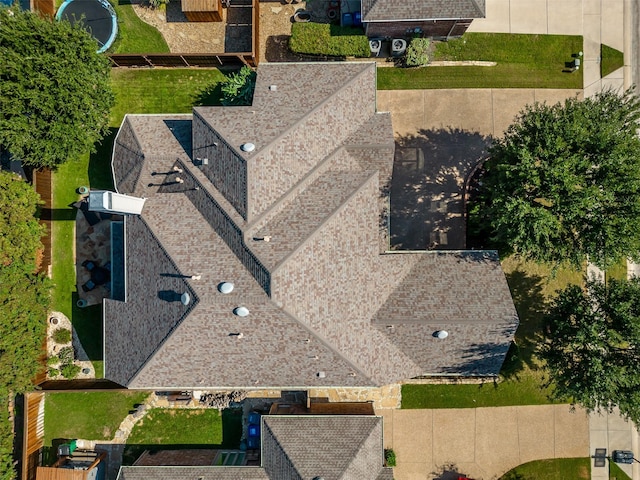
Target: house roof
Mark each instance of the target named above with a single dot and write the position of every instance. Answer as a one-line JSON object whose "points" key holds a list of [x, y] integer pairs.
{"points": [[329, 306], [297, 447], [394, 10]]}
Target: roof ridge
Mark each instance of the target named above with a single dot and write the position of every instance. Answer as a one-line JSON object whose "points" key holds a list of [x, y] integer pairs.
{"points": [[271, 212], [323, 341], [352, 79], [191, 306], [478, 8], [363, 440], [139, 152], [324, 222]]}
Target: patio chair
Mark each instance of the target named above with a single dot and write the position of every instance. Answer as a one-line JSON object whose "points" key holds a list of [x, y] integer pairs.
{"points": [[89, 265], [87, 287]]}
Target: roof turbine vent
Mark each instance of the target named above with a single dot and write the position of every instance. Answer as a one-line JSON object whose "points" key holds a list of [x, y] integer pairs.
{"points": [[247, 147], [241, 311], [185, 298], [225, 287]]}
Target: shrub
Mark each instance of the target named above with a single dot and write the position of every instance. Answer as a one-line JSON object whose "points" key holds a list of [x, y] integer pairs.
{"points": [[61, 335], [417, 52], [158, 3], [53, 372], [325, 39], [53, 361], [70, 370], [389, 457], [238, 88], [66, 355]]}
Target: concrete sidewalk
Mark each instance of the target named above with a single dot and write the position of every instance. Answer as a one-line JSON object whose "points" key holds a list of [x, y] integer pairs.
{"points": [[598, 21], [481, 442]]}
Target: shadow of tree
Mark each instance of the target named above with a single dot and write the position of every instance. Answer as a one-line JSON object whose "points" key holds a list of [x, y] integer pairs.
{"points": [[447, 471], [99, 171], [277, 50], [427, 188], [211, 95], [529, 299]]}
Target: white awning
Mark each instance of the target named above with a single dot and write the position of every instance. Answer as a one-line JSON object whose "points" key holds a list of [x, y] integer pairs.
{"points": [[111, 202]]}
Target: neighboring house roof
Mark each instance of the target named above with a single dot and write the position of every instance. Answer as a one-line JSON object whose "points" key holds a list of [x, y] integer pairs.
{"points": [[403, 10], [297, 448], [328, 306]]}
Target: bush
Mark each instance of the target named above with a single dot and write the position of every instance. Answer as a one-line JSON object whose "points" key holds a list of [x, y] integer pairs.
{"points": [[158, 3], [389, 457], [53, 361], [70, 370], [66, 355], [53, 372], [238, 88], [417, 52], [326, 39], [62, 335]]}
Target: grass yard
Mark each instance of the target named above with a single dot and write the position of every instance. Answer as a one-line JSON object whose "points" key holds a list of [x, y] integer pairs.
{"points": [[86, 415], [178, 426], [555, 469], [185, 428], [137, 91], [134, 35], [532, 286], [610, 60], [616, 473], [524, 61]]}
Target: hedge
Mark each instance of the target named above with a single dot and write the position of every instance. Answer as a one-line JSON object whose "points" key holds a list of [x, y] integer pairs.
{"points": [[326, 39]]}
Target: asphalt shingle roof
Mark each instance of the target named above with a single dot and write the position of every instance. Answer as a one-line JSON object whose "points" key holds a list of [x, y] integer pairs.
{"points": [[322, 294], [399, 10]]}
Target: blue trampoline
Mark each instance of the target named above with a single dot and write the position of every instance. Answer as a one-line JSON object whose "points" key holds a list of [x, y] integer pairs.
{"points": [[96, 16]]}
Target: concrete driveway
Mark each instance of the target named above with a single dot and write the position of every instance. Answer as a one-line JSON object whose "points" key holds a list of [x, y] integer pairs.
{"points": [[441, 135], [482, 443]]}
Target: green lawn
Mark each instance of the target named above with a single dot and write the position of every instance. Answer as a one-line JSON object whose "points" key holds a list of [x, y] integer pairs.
{"points": [[137, 91], [524, 61], [185, 428], [531, 285], [556, 469], [616, 473], [86, 415], [610, 60], [134, 35], [178, 427]]}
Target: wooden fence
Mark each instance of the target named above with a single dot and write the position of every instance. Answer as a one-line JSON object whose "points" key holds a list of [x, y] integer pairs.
{"points": [[42, 185], [182, 60], [33, 439]]}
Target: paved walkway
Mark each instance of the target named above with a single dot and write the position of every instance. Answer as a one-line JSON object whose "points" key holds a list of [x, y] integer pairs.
{"points": [[481, 442]]}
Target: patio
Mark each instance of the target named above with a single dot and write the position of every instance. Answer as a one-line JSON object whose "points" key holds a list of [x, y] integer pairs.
{"points": [[93, 255]]}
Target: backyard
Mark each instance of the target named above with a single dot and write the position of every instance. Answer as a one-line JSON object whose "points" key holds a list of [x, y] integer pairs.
{"points": [[137, 91]]}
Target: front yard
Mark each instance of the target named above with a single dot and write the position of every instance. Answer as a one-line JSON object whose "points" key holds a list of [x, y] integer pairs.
{"points": [[523, 61], [522, 376]]}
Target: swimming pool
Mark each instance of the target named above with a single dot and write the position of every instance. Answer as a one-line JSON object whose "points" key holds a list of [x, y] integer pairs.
{"points": [[96, 16]]}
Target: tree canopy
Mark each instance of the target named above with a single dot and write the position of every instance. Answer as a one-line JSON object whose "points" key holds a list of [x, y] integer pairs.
{"points": [[55, 92], [592, 349], [564, 182]]}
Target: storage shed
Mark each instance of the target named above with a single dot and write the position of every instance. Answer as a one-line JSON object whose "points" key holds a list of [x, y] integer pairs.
{"points": [[202, 10]]}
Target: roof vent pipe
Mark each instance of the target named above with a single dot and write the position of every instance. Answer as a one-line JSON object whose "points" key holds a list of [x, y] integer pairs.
{"points": [[225, 287], [441, 334], [241, 311], [247, 147], [185, 298]]}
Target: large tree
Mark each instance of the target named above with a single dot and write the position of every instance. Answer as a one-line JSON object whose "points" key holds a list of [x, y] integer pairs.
{"points": [[592, 348], [55, 92], [24, 300], [564, 182]]}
